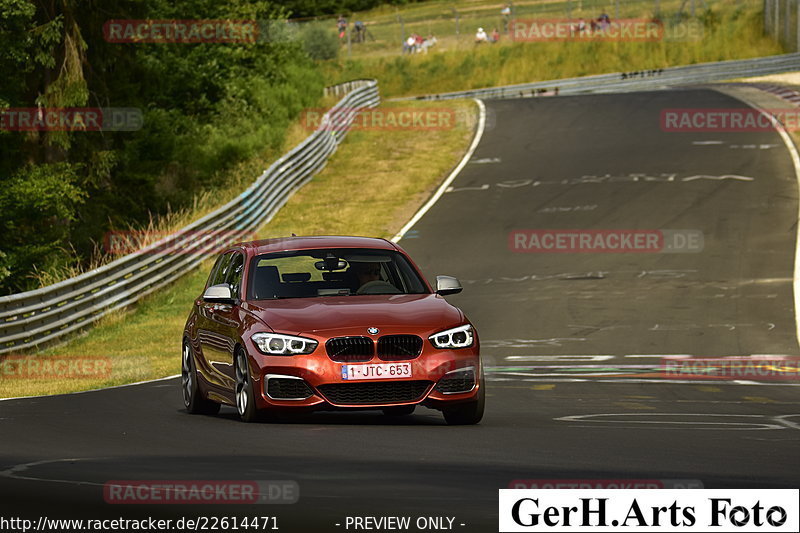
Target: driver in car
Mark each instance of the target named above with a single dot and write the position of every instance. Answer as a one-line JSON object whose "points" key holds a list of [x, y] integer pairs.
{"points": [[369, 279]]}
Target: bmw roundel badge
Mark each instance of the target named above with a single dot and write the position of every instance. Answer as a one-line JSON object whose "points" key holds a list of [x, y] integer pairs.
{"points": [[373, 331]]}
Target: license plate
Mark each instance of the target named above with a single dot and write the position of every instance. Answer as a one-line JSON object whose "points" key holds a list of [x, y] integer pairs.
{"points": [[376, 371]]}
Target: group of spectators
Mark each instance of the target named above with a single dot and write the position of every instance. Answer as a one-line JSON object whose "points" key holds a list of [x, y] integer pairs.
{"points": [[481, 37], [417, 43], [599, 24], [359, 30]]}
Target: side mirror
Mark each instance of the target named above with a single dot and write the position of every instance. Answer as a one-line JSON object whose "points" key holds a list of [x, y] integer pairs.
{"points": [[447, 285], [220, 294]]}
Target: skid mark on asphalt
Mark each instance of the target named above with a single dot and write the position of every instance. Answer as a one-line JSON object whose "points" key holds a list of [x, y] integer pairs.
{"points": [[16, 472], [758, 399], [634, 406]]}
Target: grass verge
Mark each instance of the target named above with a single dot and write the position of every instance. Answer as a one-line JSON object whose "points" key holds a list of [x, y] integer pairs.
{"points": [[372, 186]]}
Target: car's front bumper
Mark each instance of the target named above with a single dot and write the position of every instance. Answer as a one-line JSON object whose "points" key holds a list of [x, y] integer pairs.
{"points": [[438, 378]]}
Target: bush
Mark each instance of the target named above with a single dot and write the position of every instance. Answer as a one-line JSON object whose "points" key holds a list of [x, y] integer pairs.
{"points": [[320, 43], [207, 108]]}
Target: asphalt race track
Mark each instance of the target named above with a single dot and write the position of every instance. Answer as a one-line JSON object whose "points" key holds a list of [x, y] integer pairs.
{"points": [[571, 342]]}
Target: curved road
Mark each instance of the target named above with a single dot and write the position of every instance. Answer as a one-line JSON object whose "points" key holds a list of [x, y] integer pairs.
{"points": [[571, 339]]}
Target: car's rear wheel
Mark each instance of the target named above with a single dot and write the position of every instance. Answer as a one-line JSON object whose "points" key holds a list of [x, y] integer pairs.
{"points": [[192, 397], [399, 410], [467, 413], [245, 397]]}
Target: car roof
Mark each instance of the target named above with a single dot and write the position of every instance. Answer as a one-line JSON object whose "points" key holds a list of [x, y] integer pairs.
{"points": [[283, 244]]}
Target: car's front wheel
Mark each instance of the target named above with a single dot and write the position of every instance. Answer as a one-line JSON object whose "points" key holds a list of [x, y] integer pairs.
{"points": [[192, 398], [467, 413], [245, 396]]}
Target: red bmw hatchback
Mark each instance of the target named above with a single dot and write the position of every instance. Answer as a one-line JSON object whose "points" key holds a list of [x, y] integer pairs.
{"points": [[312, 323]]}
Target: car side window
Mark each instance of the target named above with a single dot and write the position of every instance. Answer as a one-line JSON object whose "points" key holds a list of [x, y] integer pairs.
{"points": [[234, 277], [221, 271]]}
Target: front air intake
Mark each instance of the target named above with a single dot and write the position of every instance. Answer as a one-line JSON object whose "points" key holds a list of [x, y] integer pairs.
{"points": [[350, 349]]}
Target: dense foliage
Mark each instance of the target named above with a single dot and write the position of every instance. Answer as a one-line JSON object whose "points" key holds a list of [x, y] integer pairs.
{"points": [[206, 106]]}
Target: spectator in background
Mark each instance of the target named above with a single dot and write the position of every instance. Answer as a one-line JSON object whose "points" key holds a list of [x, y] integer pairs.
{"points": [[481, 37], [603, 21], [495, 36], [506, 12], [580, 28], [427, 43], [360, 31], [341, 26], [409, 45]]}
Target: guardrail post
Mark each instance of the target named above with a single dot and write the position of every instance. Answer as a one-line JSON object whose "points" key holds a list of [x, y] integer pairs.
{"points": [[765, 13], [786, 25], [402, 29]]}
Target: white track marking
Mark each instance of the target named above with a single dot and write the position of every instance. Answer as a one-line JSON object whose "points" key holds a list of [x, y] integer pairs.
{"points": [[440, 191], [576, 358], [782, 419], [675, 424], [657, 356]]}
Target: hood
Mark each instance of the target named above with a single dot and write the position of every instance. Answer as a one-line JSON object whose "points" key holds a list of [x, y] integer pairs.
{"points": [[389, 312]]}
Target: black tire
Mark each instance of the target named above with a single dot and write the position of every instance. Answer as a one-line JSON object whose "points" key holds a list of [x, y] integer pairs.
{"points": [[468, 413], [193, 400], [399, 410], [244, 394]]}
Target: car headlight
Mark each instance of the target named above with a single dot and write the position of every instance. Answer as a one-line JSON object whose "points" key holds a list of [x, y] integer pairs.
{"points": [[277, 344], [460, 337]]}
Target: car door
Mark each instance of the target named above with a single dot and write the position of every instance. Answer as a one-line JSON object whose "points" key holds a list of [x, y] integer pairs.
{"points": [[213, 325], [228, 318]]}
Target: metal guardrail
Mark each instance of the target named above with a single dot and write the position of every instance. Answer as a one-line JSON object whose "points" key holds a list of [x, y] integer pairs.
{"points": [[44, 315], [634, 81]]}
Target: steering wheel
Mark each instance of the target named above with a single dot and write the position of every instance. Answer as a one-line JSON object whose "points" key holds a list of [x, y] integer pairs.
{"points": [[378, 286]]}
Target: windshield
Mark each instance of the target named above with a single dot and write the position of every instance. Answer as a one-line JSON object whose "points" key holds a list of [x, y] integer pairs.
{"points": [[332, 272]]}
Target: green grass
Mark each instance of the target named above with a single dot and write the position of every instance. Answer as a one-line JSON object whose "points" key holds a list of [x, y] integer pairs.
{"points": [[731, 30], [385, 176]]}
